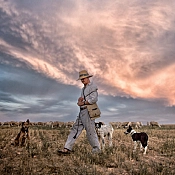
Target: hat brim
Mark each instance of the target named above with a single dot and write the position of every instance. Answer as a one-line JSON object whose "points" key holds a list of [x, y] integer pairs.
{"points": [[85, 77]]}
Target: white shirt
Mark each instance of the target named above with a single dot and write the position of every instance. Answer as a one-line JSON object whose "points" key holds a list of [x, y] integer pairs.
{"points": [[90, 93]]}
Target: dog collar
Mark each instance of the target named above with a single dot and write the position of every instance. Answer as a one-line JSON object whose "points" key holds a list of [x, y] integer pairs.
{"points": [[133, 132]]}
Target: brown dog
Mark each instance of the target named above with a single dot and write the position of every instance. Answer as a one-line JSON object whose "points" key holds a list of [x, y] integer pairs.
{"points": [[23, 134]]}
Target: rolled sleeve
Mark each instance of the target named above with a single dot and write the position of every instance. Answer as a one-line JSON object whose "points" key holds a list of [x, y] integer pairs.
{"points": [[93, 97]]}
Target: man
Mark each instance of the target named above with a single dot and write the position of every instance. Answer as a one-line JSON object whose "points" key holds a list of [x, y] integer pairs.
{"points": [[89, 96]]}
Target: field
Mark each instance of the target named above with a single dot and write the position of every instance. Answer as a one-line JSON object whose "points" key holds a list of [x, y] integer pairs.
{"points": [[39, 156]]}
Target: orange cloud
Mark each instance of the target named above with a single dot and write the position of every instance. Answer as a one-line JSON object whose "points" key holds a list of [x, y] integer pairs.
{"points": [[129, 47]]}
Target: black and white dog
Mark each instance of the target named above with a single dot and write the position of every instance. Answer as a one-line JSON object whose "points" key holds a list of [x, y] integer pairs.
{"points": [[104, 131], [141, 137]]}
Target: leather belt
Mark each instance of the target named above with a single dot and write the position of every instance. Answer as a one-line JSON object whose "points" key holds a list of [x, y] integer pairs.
{"points": [[82, 108]]}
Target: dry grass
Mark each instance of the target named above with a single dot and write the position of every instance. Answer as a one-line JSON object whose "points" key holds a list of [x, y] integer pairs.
{"points": [[40, 154]]}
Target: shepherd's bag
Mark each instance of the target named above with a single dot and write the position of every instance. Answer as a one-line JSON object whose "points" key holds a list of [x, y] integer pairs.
{"points": [[94, 111]]}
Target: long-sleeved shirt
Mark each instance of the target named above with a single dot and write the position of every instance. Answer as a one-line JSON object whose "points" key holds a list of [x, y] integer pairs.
{"points": [[90, 93]]}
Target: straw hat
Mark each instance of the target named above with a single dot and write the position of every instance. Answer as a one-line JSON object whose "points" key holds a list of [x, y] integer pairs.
{"points": [[84, 74]]}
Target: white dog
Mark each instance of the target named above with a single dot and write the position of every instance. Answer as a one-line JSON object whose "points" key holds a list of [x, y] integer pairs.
{"points": [[103, 131]]}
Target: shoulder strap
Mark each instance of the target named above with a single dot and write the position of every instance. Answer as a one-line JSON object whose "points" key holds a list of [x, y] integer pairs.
{"points": [[83, 93], [91, 93], [87, 94]]}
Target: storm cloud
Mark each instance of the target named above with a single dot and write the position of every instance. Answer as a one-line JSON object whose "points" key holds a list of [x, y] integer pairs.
{"points": [[128, 46]]}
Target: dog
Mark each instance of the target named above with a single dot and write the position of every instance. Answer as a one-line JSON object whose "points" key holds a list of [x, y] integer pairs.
{"points": [[141, 137], [23, 134], [103, 131]]}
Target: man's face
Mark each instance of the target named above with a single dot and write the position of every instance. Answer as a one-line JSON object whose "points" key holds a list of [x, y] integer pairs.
{"points": [[85, 81]]}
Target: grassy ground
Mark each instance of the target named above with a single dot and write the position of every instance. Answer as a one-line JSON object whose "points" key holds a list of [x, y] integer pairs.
{"points": [[39, 156]]}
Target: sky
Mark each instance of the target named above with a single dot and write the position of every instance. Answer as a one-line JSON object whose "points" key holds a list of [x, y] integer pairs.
{"points": [[128, 47]]}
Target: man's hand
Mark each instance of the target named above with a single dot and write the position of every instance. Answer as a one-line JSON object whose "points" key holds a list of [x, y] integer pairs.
{"points": [[80, 101]]}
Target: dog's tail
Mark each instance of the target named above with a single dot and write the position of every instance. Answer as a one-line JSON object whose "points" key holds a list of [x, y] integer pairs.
{"points": [[145, 142]]}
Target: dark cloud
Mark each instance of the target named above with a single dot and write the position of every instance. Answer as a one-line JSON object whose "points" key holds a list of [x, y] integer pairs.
{"points": [[24, 91]]}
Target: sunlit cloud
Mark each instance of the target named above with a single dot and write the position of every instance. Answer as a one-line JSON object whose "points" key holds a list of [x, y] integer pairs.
{"points": [[127, 45]]}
